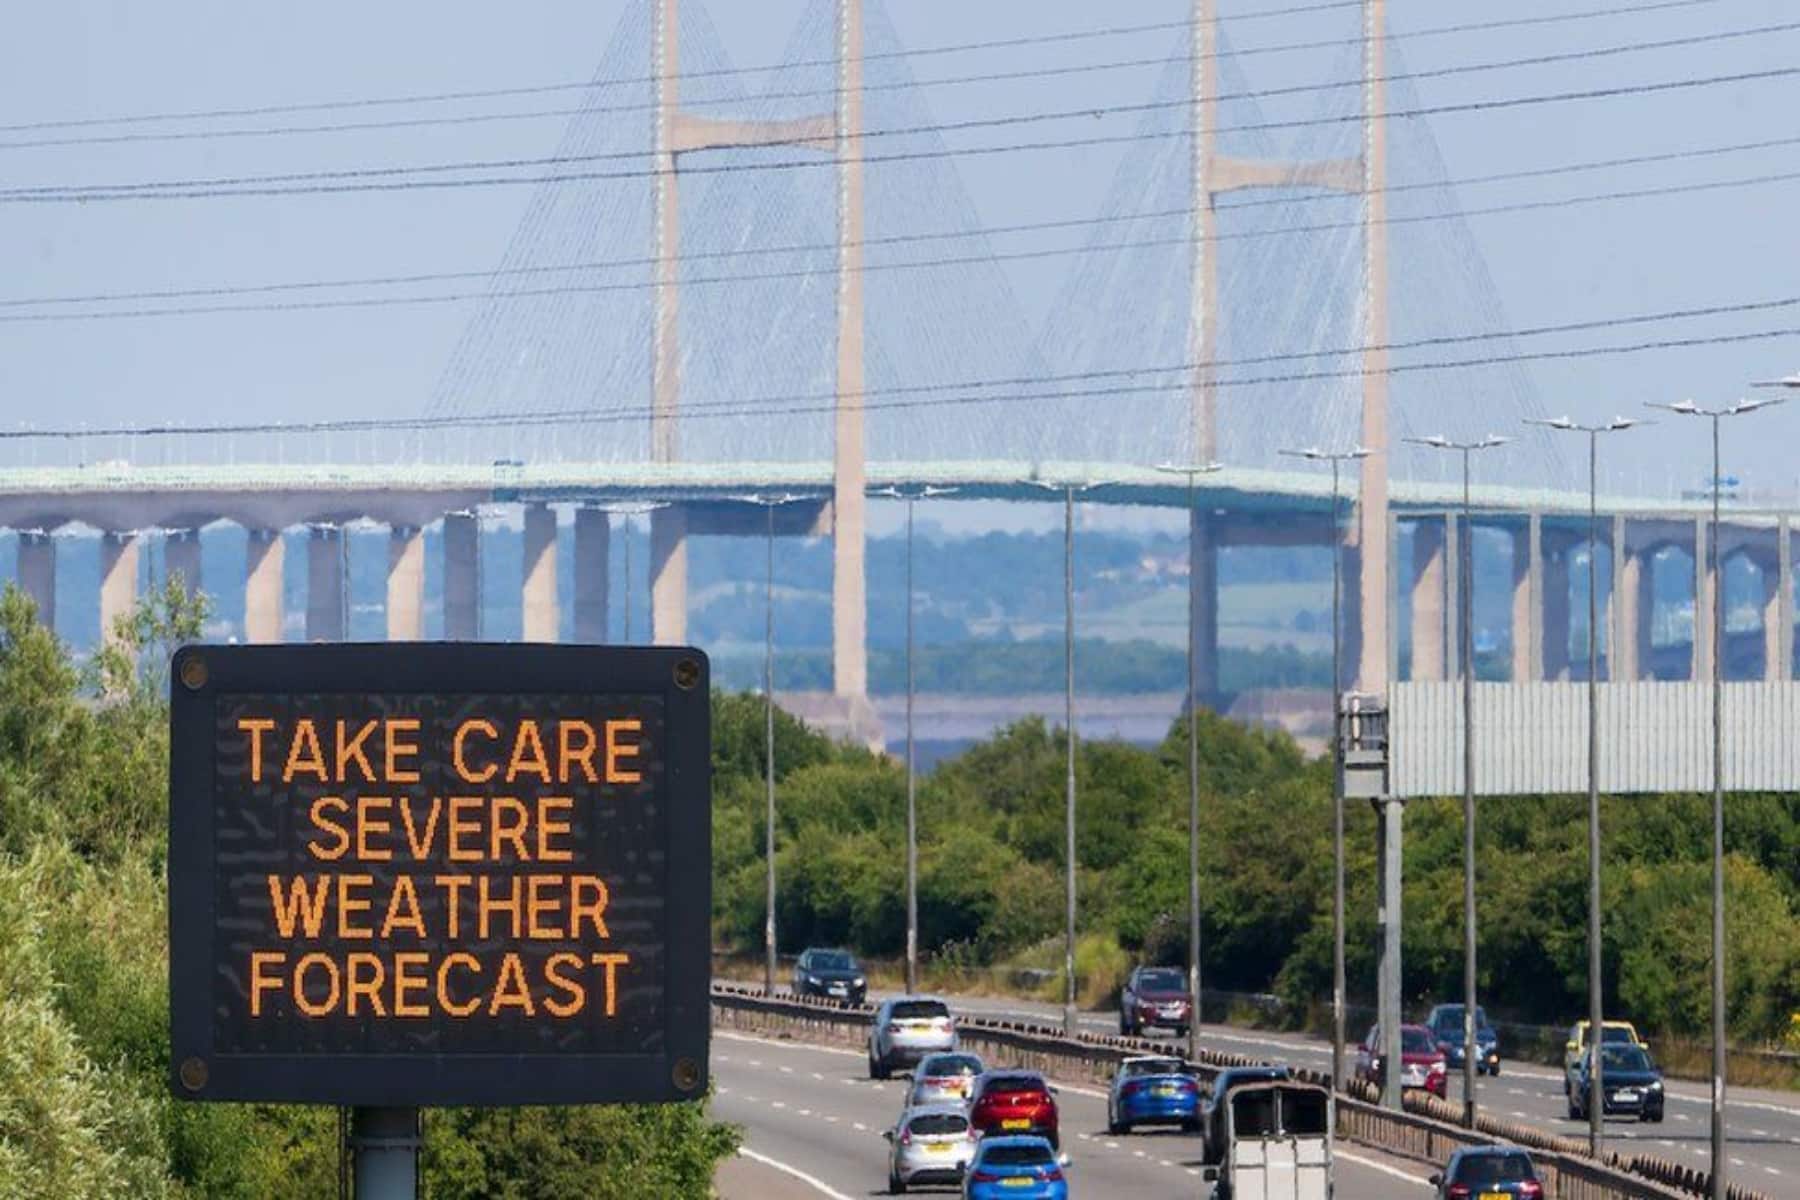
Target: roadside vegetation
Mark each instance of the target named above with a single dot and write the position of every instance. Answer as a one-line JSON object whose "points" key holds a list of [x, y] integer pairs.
{"points": [[991, 876], [84, 1107]]}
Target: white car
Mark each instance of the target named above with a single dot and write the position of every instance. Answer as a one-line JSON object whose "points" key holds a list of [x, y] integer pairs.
{"points": [[905, 1030], [931, 1144], [944, 1079]]}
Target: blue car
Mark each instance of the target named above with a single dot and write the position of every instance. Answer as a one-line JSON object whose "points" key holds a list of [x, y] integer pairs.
{"points": [[1015, 1168], [1152, 1091]]}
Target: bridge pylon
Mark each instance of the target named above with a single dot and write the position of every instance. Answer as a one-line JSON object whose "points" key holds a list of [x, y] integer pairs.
{"points": [[838, 133], [1365, 175]]}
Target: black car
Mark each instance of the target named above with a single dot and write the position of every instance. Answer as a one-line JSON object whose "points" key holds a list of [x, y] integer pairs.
{"points": [[1633, 1082], [1489, 1171], [1213, 1130], [831, 975], [1446, 1025]]}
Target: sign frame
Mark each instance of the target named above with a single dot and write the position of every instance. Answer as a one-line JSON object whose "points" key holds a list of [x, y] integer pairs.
{"points": [[680, 677]]}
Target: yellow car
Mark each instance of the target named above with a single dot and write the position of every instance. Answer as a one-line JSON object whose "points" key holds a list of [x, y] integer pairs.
{"points": [[1616, 1032]]}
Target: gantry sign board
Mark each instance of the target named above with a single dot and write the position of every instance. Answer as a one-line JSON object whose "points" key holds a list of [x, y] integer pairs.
{"points": [[430, 874]]}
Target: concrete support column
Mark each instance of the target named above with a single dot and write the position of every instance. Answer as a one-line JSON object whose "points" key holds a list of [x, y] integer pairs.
{"points": [[1704, 595], [668, 576], [1528, 585], [849, 580], [462, 576], [1634, 600], [1782, 667], [325, 584], [37, 574], [1453, 535], [593, 548], [1428, 598], [181, 558], [538, 575], [1555, 609], [118, 579], [1616, 650], [1203, 602], [406, 584], [264, 555]]}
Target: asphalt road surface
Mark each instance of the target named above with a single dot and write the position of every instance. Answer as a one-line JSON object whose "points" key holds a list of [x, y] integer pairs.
{"points": [[813, 1120], [1762, 1127]]}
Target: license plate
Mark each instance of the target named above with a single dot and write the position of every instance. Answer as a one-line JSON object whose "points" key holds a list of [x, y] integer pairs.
{"points": [[939, 1148], [1414, 1075], [1166, 1093], [838, 988], [1017, 1181], [1626, 1096], [1015, 1123], [1494, 1196]]}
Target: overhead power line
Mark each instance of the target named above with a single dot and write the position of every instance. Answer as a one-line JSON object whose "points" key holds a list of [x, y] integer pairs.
{"points": [[802, 273], [382, 179], [826, 401], [392, 280], [947, 81], [923, 52]]}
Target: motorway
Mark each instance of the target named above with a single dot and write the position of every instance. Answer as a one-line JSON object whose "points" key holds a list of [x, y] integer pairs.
{"points": [[812, 1120], [1763, 1127]]}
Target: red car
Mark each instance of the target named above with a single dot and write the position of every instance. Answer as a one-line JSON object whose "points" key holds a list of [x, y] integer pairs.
{"points": [[1155, 998], [1421, 1062], [1014, 1102]]}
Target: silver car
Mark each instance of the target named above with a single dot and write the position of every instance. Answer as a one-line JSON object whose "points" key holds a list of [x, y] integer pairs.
{"points": [[944, 1079], [905, 1030], [930, 1144]]}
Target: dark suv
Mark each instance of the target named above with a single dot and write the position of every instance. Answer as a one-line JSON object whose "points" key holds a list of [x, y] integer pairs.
{"points": [[1446, 1025], [831, 975]]}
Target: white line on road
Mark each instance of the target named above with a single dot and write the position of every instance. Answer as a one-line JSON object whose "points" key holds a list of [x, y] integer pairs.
{"points": [[812, 1181], [1396, 1172]]}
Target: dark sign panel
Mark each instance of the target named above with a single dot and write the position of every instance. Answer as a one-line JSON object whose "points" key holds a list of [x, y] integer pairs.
{"points": [[439, 874]]}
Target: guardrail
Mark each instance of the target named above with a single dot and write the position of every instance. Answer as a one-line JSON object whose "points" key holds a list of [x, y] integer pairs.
{"points": [[1427, 1132]]}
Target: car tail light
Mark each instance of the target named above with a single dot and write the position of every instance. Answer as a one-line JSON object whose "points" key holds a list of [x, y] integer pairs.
{"points": [[906, 1137], [1457, 1191], [893, 1027], [1053, 1175], [1531, 1189], [1132, 1088], [980, 1176]]}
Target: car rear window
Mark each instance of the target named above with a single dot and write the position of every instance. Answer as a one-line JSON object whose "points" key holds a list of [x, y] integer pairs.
{"points": [[1416, 1041], [1008, 1084], [1494, 1168], [938, 1124], [1154, 1066], [1027, 1155], [1161, 981], [920, 1010], [951, 1064]]}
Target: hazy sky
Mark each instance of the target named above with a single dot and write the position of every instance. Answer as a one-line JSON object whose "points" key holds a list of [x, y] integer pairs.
{"points": [[95, 58]]}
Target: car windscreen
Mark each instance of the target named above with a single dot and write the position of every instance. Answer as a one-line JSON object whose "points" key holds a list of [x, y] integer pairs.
{"points": [[919, 1010], [1494, 1168], [1028, 1154], [951, 1064], [1614, 1034], [832, 960], [1625, 1058], [938, 1125], [1154, 1066], [1161, 981], [1416, 1041], [1006, 1085]]}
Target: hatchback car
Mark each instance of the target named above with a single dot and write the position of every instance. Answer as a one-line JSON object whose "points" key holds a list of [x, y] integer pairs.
{"points": [[944, 1079], [1488, 1173], [830, 975], [1155, 998], [1015, 1168], [929, 1145], [1633, 1083], [905, 1030], [1152, 1091], [1446, 1025], [1421, 1062], [1007, 1102]]}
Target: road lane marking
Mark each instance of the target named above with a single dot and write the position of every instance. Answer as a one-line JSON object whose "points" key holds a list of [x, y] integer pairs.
{"points": [[812, 1181], [1396, 1172]]}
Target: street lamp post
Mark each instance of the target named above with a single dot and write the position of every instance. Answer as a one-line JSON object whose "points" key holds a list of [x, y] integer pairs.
{"points": [[1068, 491], [1596, 1002], [1688, 408], [1465, 621], [1193, 471], [769, 504], [911, 495], [1336, 458]]}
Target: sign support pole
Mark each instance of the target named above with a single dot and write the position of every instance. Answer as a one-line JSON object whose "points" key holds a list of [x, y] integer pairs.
{"points": [[384, 1145]]}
